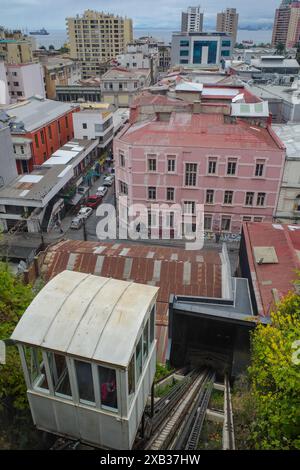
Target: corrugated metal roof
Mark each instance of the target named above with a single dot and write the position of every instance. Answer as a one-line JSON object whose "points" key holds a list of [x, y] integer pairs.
{"points": [[35, 113], [87, 316]]}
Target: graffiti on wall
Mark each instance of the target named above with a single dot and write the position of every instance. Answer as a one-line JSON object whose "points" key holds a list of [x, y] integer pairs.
{"points": [[226, 237]]}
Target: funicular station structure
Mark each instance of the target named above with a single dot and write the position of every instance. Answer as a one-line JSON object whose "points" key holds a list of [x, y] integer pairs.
{"points": [[87, 346], [90, 340]]}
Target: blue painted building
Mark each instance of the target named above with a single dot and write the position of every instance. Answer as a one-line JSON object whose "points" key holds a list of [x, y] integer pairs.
{"points": [[200, 48]]}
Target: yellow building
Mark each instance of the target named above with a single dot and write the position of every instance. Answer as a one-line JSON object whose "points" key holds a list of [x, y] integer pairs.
{"points": [[14, 51], [96, 37], [59, 71]]}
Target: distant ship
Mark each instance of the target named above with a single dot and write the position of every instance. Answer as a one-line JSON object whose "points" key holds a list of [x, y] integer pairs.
{"points": [[40, 32]]}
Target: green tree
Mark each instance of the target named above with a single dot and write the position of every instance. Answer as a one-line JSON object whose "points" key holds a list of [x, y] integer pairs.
{"points": [[280, 48], [51, 47], [14, 299], [275, 378]]}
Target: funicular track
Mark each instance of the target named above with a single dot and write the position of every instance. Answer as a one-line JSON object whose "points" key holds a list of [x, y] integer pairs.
{"points": [[228, 427], [173, 426]]}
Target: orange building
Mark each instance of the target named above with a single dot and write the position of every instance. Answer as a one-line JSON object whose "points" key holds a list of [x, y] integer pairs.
{"points": [[39, 128]]}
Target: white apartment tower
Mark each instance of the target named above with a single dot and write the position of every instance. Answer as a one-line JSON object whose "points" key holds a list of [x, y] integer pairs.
{"points": [[192, 20]]}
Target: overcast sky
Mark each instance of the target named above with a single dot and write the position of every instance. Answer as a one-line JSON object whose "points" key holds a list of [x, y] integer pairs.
{"points": [[148, 13]]}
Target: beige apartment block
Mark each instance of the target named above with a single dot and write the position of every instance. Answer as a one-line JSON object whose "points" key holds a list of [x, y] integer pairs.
{"points": [[14, 51], [96, 37], [227, 22]]}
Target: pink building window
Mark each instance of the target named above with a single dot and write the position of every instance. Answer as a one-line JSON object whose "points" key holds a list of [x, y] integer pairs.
{"points": [[170, 194], [122, 158], [210, 193], [231, 167], [249, 199], [152, 219], [189, 207], [258, 219], [225, 223], [259, 168], [123, 188], [228, 197], [212, 166], [171, 165], [207, 222], [261, 197], [190, 174], [151, 193], [152, 164]]}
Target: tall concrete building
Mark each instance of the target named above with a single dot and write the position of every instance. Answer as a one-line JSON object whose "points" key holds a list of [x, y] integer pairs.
{"points": [[286, 28], [96, 37], [192, 20], [227, 22], [293, 33]]}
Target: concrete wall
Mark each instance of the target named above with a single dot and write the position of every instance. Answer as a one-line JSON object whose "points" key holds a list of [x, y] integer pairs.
{"points": [[4, 90], [8, 168], [92, 119], [30, 79], [289, 191]]}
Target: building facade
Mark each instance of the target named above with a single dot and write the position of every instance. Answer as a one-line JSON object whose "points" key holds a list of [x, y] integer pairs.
{"points": [[164, 52], [59, 71], [231, 166], [286, 30], [293, 34], [94, 122], [25, 81], [96, 37], [192, 20], [37, 201], [43, 126], [8, 168], [15, 51], [200, 48], [79, 92], [119, 86], [227, 22], [288, 209], [4, 90]]}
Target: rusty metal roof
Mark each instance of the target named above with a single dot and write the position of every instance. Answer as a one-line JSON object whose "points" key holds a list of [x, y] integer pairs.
{"points": [[173, 270]]}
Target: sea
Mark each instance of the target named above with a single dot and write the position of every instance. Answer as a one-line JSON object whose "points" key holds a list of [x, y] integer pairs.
{"points": [[58, 37]]}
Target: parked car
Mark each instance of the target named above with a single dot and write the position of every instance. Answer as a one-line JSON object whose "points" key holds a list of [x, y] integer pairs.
{"points": [[101, 191], [85, 212], [76, 223], [93, 201], [83, 190], [108, 180]]}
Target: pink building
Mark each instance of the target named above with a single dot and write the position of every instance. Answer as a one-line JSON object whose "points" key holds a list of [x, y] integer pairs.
{"points": [[230, 164]]}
